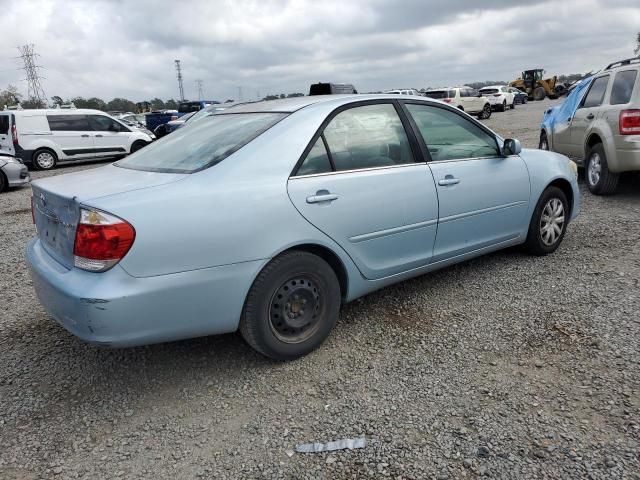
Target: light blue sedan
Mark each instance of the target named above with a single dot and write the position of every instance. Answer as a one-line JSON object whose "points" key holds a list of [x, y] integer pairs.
{"points": [[267, 216]]}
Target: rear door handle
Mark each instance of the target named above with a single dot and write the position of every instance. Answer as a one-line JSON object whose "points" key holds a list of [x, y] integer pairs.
{"points": [[100, 136], [448, 180], [591, 116], [322, 196], [84, 136]]}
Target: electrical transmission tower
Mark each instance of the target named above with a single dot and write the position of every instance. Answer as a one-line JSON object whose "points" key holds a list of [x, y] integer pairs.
{"points": [[179, 75], [35, 92], [199, 87]]}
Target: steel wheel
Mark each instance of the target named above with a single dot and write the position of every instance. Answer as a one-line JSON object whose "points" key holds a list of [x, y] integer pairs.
{"points": [[45, 160], [595, 169], [295, 309], [552, 221]]}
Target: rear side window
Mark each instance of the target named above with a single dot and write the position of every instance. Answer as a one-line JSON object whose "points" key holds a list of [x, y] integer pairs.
{"points": [[450, 136], [623, 87], [596, 92], [367, 137], [68, 123], [207, 142], [4, 124], [317, 160]]}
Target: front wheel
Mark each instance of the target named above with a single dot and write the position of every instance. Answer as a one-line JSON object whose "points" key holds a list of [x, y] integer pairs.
{"points": [[137, 145], [513, 104], [291, 307], [485, 113], [544, 141], [44, 159], [600, 180], [548, 223]]}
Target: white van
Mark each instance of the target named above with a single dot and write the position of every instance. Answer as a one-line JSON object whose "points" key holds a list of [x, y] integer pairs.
{"points": [[42, 138]]}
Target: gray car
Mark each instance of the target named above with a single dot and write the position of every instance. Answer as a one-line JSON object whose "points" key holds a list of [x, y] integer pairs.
{"points": [[12, 172]]}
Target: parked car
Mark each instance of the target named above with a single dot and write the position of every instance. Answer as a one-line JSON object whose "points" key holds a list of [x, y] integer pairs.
{"points": [[464, 98], [267, 217], [332, 89], [193, 117], [519, 96], [13, 172], [189, 106], [500, 97], [138, 122], [166, 128], [404, 91], [599, 123], [42, 138]]}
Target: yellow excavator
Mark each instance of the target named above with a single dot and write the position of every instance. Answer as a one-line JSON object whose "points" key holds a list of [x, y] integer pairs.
{"points": [[533, 84]]}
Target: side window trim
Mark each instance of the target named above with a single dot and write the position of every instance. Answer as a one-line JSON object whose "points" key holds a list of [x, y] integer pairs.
{"points": [[417, 159], [423, 144]]}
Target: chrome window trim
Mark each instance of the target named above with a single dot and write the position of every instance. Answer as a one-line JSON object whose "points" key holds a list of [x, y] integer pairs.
{"points": [[386, 167], [471, 158]]}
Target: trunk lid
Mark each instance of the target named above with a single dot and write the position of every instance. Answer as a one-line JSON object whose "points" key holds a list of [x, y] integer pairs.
{"points": [[57, 201]]}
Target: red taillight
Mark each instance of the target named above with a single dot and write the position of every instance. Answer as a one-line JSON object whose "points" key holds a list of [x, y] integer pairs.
{"points": [[102, 240], [630, 122], [447, 100], [14, 134]]}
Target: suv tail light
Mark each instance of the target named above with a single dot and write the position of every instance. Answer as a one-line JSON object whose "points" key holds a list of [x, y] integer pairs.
{"points": [[14, 134], [629, 122], [102, 240], [447, 100]]}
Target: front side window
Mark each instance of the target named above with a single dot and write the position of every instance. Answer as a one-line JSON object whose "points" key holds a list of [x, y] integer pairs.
{"points": [[596, 92], [623, 87], [100, 123], [4, 124], [68, 123], [202, 145], [366, 137], [450, 136]]}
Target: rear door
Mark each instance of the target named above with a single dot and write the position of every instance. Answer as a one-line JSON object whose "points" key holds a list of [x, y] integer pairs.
{"points": [[6, 138], [588, 111], [483, 196], [72, 134], [109, 137], [360, 184]]}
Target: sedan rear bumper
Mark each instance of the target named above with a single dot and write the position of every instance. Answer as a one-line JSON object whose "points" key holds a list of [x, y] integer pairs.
{"points": [[115, 309]]}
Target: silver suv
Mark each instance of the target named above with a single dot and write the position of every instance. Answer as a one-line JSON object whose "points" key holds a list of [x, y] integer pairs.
{"points": [[604, 130]]}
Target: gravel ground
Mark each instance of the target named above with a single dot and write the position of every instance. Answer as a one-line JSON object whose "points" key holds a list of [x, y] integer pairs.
{"points": [[507, 366]]}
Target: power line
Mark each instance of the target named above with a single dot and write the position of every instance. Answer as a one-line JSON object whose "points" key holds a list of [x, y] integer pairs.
{"points": [[35, 91], [199, 87], [179, 75]]}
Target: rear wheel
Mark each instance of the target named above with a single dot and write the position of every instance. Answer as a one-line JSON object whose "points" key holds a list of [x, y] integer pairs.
{"points": [[4, 183], [486, 112], [513, 104], [291, 307], [539, 94], [548, 223], [524, 100], [503, 107], [45, 159], [600, 180]]}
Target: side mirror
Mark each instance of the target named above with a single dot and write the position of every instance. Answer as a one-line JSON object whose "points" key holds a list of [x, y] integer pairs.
{"points": [[511, 147]]}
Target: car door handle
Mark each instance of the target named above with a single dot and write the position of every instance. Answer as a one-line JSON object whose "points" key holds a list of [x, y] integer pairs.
{"points": [[84, 136], [322, 196], [98, 136], [448, 180], [591, 116]]}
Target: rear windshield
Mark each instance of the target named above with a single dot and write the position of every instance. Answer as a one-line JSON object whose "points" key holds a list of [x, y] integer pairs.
{"points": [[206, 143], [487, 91], [439, 94]]}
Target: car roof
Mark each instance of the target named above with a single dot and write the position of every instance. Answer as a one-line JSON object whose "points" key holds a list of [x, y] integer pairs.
{"points": [[58, 111], [494, 86], [290, 105]]}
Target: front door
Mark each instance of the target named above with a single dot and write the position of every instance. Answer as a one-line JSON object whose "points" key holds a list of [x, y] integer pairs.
{"points": [[586, 114], [483, 196], [110, 137], [360, 185]]}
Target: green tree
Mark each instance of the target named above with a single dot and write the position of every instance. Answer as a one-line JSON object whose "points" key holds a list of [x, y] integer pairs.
{"points": [[56, 100], [637, 50], [33, 103], [9, 96], [121, 105], [157, 104], [171, 104], [93, 103]]}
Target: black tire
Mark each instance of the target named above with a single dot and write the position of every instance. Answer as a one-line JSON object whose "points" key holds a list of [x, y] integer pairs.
{"points": [[4, 183], [513, 104], [524, 100], [485, 113], [44, 159], [543, 144], [137, 145], [274, 321], [503, 107], [539, 94], [536, 244], [460, 107], [605, 182]]}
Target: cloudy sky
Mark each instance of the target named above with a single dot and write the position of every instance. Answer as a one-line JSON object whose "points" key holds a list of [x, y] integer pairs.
{"points": [[126, 48]]}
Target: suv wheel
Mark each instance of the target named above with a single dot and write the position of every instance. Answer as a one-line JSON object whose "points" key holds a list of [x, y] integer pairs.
{"points": [[486, 112], [44, 159], [137, 145], [513, 104], [292, 306], [503, 107], [600, 180], [548, 223], [544, 141]]}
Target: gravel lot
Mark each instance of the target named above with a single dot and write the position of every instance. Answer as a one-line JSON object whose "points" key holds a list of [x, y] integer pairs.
{"points": [[507, 366]]}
